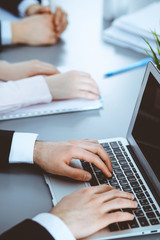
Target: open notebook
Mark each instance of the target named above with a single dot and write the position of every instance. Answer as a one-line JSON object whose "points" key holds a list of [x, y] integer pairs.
{"points": [[53, 108]]}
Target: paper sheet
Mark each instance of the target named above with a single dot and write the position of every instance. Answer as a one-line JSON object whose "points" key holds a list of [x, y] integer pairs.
{"points": [[128, 30]]}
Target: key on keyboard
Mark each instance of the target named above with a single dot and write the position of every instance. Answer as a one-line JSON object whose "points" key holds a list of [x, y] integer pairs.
{"points": [[125, 177]]}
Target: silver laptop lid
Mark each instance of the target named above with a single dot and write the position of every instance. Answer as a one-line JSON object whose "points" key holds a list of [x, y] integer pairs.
{"points": [[144, 130]]}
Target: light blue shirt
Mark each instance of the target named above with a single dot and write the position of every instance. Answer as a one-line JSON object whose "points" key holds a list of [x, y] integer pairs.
{"points": [[6, 29]]}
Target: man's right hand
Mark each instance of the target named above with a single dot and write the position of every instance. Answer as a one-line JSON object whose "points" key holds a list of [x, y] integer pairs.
{"points": [[34, 30], [90, 210], [55, 157]]}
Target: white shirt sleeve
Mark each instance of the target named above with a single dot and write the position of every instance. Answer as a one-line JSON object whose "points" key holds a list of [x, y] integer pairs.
{"points": [[22, 7], [6, 33], [22, 148], [22, 93], [55, 226]]}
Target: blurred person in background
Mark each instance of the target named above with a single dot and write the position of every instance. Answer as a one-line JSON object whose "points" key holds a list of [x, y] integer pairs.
{"points": [[38, 27]]}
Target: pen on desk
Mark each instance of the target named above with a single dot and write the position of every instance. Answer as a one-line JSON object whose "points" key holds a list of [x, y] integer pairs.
{"points": [[100, 99], [140, 63], [52, 6]]}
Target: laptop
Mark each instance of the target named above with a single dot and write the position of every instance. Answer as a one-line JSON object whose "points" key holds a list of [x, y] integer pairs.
{"points": [[136, 164]]}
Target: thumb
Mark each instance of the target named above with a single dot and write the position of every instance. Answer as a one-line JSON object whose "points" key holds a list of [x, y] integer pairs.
{"points": [[48, 69], [77, 174]]}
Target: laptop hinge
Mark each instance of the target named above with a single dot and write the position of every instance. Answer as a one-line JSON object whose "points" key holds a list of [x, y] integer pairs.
{"points": [[141, 169]]}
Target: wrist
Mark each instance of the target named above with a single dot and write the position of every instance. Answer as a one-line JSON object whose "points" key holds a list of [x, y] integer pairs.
{"points": [[16, 32], [3, 65], [49, 84], [37, 152], [4, 69], [63, 218], [40, 155]]}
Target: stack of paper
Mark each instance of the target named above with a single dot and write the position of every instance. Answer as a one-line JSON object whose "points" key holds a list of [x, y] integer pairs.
{"points": [[128, 30]]}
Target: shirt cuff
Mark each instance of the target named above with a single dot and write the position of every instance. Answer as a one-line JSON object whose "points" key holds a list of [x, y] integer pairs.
{"points": [[23, 93], [24, 5], [33, 90], [55, 226], [22, 148], [6, 32], [52, 6]]}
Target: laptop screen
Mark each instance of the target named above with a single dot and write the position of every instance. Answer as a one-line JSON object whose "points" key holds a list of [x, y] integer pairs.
{"points": [[146, 130]]}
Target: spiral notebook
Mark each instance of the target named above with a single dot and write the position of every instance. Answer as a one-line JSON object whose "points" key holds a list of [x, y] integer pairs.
{"points": [[53, 108]]}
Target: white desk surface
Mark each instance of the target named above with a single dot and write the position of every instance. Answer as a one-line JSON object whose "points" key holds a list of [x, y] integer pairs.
{"points": [[23, 190]]}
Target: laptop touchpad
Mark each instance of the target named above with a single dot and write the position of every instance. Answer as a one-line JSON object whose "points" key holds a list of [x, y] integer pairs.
{"points": [[62, 186]]}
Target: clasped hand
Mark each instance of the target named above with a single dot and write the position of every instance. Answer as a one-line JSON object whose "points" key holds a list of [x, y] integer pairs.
{"points": [[40, 27]]}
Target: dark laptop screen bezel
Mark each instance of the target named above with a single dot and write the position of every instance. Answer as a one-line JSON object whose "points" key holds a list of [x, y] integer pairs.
{"points": [[153, 70]]}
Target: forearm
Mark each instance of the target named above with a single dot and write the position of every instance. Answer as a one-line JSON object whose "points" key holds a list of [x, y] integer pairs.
{"points": [[48, 223], [3, 70], [5, 146], [28, 229], [23, 93], [44, 226], [17, 33], [55, 226], [16, 147]]}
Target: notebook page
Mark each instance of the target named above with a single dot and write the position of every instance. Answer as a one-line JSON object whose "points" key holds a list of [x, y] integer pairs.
{"points": [[142, 21], [124, 39]]}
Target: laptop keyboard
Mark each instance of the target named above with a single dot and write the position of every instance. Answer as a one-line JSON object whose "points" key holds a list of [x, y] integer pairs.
{"points": [[126, 178]]}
